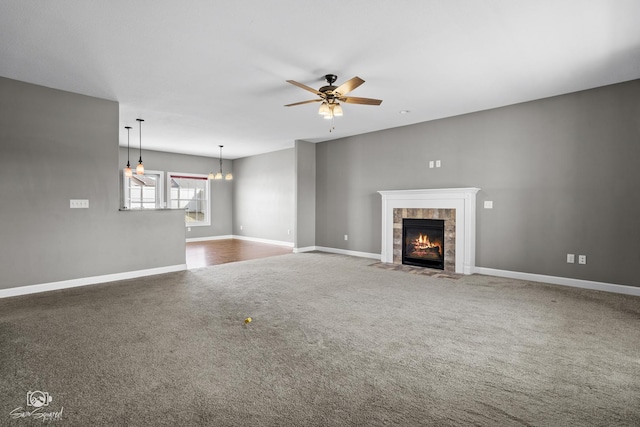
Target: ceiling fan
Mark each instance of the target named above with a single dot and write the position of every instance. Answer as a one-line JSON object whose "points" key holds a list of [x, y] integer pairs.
{"points": [[331, 96]]}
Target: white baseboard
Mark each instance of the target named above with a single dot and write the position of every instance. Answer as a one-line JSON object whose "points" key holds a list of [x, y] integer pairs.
{"points": [[267, 241], [347, 252], [305, 249], [85, 281], [205, 239], [564, 281]]}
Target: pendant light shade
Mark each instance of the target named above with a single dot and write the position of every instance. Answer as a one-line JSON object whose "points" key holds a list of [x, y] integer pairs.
{"points": [[337, 110], [219, 175], [324, 109], [127, 171], [140, 167]]}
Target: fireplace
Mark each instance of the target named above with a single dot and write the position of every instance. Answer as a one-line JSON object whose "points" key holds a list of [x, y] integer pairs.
{"points": [[423, 242], [457, 206]]}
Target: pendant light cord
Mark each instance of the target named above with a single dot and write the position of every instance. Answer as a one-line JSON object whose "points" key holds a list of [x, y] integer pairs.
{"points": [[128, 128], [140, 125], [220, 159]]}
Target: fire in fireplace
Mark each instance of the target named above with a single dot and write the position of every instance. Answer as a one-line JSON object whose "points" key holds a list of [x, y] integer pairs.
{"points": [[423, 242]]}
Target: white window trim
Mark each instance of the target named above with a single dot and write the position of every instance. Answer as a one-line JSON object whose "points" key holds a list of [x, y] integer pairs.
{"points": [[160, 190], [207, 220]]}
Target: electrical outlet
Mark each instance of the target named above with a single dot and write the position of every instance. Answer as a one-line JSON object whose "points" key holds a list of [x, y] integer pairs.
{"points": [[288, 231], [582, 259], [240, 227], [79, 204], [346, 237], [431, 164], [438, 163], [571, 258]]}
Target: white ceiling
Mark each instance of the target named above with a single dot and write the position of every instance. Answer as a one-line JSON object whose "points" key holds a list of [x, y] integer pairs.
{"points": [[203, 73]]}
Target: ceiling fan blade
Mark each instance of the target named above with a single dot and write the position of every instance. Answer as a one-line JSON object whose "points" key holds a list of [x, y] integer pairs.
{"points": [[304, 102], [349, 85], [365, 101], [305, 87]]}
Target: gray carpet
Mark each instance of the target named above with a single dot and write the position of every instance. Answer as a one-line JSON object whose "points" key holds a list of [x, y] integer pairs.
{"points": [[333, 342]]}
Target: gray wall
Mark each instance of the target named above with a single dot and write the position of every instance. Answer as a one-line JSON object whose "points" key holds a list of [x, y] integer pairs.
{"points": [[305, 194], [264, 196], [221, 190], [562, 173], [56, 146]]}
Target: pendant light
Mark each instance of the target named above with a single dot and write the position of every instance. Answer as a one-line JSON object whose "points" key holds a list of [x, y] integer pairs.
{"points": [[140, 167], [127, 171], [219, 175]]}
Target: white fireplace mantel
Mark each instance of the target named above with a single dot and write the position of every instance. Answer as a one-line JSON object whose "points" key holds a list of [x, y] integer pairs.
{"points": [[463, 200]]}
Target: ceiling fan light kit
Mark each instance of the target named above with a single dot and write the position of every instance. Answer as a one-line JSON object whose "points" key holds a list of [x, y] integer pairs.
{"points": [[331, 96]]}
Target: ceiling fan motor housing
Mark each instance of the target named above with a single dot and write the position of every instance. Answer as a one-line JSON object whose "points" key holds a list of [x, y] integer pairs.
{"points": [[328, 90]]}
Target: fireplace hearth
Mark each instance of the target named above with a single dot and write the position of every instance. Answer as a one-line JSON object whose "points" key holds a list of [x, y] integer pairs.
{"points": [[423, 242]]}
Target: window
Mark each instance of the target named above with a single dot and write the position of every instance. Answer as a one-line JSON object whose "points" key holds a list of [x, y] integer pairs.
{"points": [[190, 192], [144, 191]]}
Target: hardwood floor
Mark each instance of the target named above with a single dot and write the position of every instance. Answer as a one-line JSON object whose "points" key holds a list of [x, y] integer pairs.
{"points": [[213, 252]]}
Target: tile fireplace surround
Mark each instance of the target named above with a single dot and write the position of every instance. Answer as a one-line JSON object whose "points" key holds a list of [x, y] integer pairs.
{"points": [[436, 203]]}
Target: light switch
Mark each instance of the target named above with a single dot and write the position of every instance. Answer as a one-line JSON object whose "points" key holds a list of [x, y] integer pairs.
{"points": [[438, 163], [431, 164], [488, 204]]}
